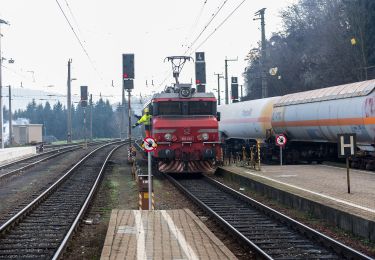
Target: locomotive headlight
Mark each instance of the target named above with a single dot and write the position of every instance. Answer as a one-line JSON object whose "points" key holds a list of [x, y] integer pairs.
{"points": [[205, 136], [168, 137], [185, 92]]}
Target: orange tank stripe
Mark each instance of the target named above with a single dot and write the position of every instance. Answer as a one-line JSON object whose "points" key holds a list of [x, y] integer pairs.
{"points": [[247, 120], [326, 122]]}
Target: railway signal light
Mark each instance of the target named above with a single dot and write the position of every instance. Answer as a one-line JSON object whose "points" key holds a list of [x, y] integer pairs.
{"points": [[84, 97], [200, 68], [234, 89], [128, 70]]}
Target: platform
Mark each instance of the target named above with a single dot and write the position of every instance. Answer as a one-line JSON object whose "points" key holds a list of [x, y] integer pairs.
{"points": [[318, 189], [161, 234], [11, 154]]}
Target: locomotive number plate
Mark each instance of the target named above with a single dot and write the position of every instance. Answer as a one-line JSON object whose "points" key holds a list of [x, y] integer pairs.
{"points": [[187, 138]]}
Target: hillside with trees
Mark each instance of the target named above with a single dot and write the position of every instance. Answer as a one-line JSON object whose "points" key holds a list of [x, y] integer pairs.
{"points": [[105, 121], [323, 43]]}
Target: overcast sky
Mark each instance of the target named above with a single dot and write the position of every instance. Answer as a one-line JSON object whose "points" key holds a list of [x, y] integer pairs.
{"points": [[41, 41]]}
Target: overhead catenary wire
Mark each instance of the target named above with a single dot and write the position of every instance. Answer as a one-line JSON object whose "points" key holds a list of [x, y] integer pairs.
{"points": [[197, 19], [74, 18], [206, 26], [15, 72], [218, 27], [79, 41]]}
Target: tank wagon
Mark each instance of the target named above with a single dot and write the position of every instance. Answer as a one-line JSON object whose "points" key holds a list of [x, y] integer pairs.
{"points": [[311, 121]]}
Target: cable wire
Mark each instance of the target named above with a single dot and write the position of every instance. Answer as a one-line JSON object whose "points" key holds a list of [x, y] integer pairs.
{"points": [[79, 41], [205, 27], [74, 18], [197, 19], [221, 24]]}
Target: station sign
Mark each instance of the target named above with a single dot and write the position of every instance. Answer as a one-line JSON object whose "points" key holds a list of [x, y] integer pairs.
{"points": [[346, 144], [281, 140], [149, 144]]}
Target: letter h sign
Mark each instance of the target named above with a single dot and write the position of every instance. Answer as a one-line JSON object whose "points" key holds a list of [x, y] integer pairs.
{"points": [[346, 145]]}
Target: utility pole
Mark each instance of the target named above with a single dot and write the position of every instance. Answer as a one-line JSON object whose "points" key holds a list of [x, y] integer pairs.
{"points": [[241, 92], [69, 106], [130, 119], [10, 117], [122, 135], [263, 58], [1, 90], [1, 96], [219, 76], [91, 117], [226, 80], [84, 126]]}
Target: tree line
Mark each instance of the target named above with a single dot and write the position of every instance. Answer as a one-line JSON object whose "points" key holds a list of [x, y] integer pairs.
{"points": [[105, 120], [323, 43]]}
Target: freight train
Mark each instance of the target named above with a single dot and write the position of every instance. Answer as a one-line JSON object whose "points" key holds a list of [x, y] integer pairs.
{"points": [[185, 127], [311, 121]]}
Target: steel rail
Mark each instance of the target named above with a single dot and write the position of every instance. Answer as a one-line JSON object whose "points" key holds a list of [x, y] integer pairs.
{"points": [[219, 218], [57, 153], [3, 166], [313, 234], [8, 224], [340, 249], [65, 241]]}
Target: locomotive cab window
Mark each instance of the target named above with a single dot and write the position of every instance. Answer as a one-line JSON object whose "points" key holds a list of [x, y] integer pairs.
{"points": [[168, 108], [201, 108]]}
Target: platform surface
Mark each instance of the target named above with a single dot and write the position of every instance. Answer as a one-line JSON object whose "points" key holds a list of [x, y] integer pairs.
{"points": [[11, 154], [321, 183], [161, 234]]}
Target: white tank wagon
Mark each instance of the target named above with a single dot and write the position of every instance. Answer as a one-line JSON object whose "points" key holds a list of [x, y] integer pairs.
{"points": [[319, 115], [247, 120]]}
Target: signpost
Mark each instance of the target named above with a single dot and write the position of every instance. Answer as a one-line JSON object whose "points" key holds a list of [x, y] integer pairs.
{"points": [[281, 142], [149, 145], [346, 145]]}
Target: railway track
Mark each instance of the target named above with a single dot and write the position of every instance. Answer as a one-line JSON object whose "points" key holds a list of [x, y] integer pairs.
{"points": [[9, 169], [42, 229], [269, 233]]}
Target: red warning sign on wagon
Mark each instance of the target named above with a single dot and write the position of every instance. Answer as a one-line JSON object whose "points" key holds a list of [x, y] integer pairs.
{"points": [[281, 140]]}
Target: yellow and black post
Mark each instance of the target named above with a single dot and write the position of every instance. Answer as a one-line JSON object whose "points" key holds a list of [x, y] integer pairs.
{"points": [[144, 194], [258, 151]]}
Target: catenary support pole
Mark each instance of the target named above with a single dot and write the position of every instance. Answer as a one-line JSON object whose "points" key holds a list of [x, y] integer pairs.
{"points": [[219, 76], [91, 107], [263, 52], [130, 119], [226, 80], [122, 134], [10, 117], [69, 105]]}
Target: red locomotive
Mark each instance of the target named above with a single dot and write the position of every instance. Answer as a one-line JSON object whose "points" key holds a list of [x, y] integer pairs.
{"points": [[185, 126]]}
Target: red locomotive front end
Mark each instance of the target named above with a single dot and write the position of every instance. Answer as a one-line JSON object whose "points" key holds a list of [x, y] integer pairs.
{"points": [[185, 126]]}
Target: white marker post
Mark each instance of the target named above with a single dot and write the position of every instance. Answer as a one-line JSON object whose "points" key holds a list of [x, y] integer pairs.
{"points": [[281, 142], [149, 145], [149, 182], [346, 145], [281, 155]]}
